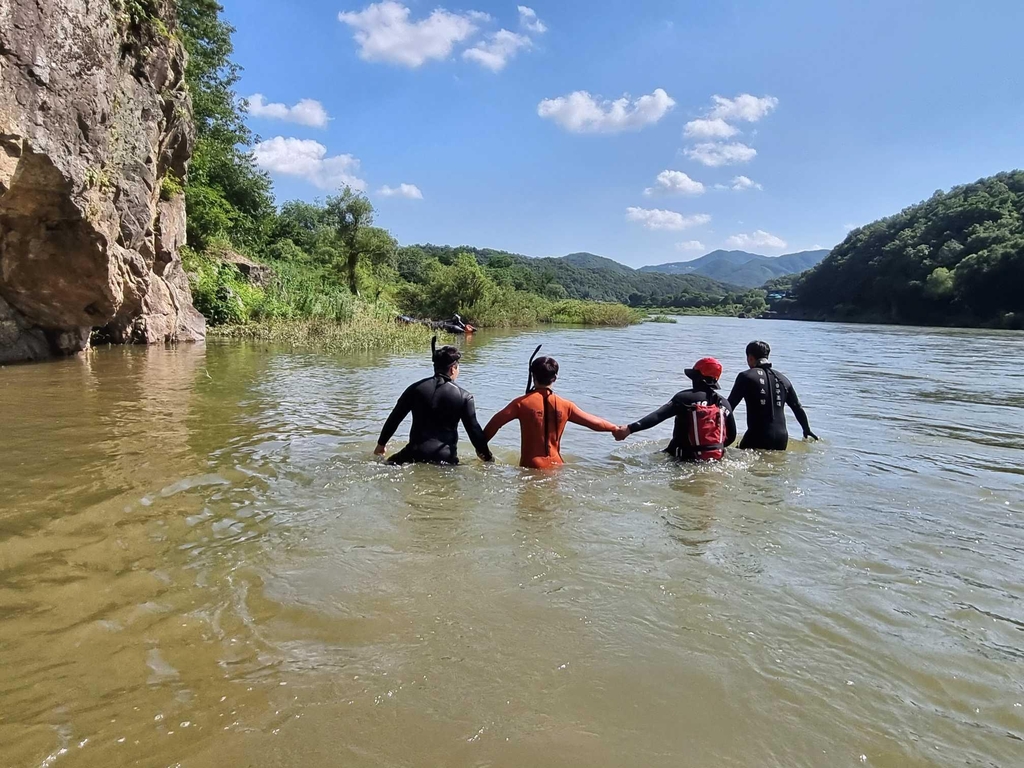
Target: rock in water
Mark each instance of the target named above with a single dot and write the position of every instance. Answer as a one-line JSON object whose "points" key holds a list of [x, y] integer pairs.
{"points": [[95, 138]]}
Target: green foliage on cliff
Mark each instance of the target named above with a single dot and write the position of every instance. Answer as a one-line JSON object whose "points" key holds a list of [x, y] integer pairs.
{"points": [[955, 259], [227, 196]]}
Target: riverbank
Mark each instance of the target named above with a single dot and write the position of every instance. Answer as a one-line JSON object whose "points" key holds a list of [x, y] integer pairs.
{"points": [[1008, 322], [376, 328], [729, 310], [362, 333]]}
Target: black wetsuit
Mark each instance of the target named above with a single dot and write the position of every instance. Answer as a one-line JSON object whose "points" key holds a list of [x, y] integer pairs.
{"points": [[679, 406], [767, 393], [437, 405]]}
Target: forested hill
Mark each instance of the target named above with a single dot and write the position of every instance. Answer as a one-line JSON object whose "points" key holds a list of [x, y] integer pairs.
{"points": [[955, 259], [586, 276], [742, 268], [592, 261]]}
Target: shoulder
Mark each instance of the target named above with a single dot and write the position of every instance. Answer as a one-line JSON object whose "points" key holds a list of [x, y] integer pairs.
{"points": [[686, 397], [784, 379], [417, 385]]}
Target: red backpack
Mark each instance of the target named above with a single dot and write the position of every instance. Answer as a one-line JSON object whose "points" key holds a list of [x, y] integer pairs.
{"points": [[707, 431]]}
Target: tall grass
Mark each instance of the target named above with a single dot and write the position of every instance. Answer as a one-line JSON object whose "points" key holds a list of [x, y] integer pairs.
{"points": [[579, 312], [518, 309], [368, 328]]}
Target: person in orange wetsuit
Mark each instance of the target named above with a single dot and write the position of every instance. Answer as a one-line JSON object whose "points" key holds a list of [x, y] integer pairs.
{"points": [[542, 418]]}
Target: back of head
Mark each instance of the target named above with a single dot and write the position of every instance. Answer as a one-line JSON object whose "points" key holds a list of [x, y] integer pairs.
{"points": [[544, 370], [445, 358], [759, 350]]}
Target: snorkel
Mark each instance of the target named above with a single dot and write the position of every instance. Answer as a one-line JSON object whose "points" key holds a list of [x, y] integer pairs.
{"points": [[529, 378]]}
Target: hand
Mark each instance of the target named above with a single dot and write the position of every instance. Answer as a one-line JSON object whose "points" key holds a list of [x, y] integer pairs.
{"points": [[621, 433], [808, 435], [486, 457], [380, 450]]}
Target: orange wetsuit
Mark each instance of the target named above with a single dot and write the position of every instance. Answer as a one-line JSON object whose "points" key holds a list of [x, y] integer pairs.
{"points": [[542, 418]]}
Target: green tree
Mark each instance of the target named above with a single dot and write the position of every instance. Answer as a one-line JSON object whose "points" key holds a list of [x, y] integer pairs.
{"points": [[302, 223], [348, 213], [226, 195], [939, 283]]}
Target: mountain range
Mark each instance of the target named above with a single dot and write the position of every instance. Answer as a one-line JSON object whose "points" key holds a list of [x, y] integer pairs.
{"points": [[748, 270], [699, 283]]}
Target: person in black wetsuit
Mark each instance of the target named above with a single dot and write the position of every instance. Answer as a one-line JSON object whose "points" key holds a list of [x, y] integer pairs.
{"points": [[685, 442], [437, 404], [767, 393]]}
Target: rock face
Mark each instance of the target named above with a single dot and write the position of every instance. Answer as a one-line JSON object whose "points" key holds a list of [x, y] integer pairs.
{"points": [[252, 271], [95, 138]]}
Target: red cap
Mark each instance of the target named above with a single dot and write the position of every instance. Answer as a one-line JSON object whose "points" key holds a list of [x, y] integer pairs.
{"points": [[708, 367]]}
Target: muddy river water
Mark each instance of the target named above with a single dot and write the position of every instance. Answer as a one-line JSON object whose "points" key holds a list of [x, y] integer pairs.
{"points": [[201, 564]]}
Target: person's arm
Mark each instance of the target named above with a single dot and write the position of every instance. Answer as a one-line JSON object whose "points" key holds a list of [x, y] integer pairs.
{"points": [[473, 429], [667, 411], [401, 410], [730, 428], [500, 419], [736, 396], [793, 401], [584, 419]]}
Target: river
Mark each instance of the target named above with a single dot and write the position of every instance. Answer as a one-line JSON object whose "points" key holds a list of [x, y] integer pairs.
{"points": [[201, 564]]}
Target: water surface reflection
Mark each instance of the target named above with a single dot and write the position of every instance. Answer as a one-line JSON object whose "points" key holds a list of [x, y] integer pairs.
{"points": [[200, 564]]}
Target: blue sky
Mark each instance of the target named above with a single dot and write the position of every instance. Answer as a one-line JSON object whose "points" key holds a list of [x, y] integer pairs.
{"points": [[509, 129]]}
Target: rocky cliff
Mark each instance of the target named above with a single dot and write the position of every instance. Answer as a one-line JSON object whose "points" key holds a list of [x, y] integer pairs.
{"points": [[95, 138]]}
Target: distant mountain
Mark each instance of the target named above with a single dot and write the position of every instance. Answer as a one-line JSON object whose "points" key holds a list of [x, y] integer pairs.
{"points": [[586, 276], [748, 270]]}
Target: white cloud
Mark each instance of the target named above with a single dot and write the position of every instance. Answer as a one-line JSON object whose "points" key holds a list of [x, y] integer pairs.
{"points": [[715, 154], [745, 107], [849, 227], [498, 50], [306, 112], [741, 183], [655, 218], [385, 33], [757, 239], [675, 182], [529, 21], [690, 245], [307, 159], [409, 191], [709, 128], [580, 112]]}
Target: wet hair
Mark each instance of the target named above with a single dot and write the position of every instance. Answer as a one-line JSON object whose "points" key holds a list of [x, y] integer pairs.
{"points": [[759, 350], [544, 370], [445, 358]]}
